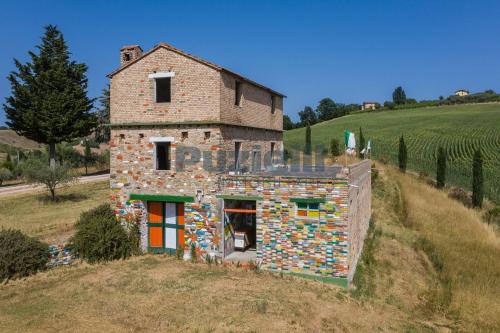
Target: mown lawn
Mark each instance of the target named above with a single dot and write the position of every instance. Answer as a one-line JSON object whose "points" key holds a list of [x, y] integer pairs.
{"points": [[460, 129], [402, 286], [36, 215]]}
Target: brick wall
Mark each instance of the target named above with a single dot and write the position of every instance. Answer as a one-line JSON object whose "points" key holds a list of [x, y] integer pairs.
{"points": [[195, 91], [255, 109]]}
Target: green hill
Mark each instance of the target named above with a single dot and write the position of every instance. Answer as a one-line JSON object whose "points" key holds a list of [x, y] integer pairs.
{"points": [[459, 128]]}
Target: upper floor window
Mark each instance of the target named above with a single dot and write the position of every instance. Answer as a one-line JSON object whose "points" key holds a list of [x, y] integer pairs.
{"points": [[162, 90], [237, 93], [162, 86], [273, 104]]}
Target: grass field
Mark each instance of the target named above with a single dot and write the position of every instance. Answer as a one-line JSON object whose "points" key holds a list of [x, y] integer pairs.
{"points": [[50, 221], [461, 129], [429, 265]]}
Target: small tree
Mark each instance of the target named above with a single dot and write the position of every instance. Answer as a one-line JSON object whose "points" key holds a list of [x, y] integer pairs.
{"points": [[399, 96], [477, 179], [5, 174], [87, 156], [441, 168], [361, 142], [402, 155], [308, 148], [38, 172], [335, 147]]}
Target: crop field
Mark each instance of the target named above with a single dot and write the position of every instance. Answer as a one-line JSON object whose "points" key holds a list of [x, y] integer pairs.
{"points": [[460, 129]]}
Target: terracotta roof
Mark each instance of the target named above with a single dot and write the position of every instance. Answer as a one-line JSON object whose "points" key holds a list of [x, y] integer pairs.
{"points": [[195, 58]]}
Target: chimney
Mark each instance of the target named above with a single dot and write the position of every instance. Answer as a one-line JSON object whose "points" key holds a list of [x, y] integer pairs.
{"points": [[129, 53]]}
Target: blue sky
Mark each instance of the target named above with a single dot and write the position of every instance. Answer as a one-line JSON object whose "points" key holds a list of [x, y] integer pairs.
{"points": [[347, 50]]}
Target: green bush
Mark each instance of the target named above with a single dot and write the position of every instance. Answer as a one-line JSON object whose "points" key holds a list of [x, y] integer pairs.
{"points": [[103, 211], [335, 147], [99, 237], [20, 255], [5, 174]]}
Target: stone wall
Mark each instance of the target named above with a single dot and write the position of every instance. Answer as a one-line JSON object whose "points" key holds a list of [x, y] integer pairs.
{"points": [[360, 193], [132, 170]]}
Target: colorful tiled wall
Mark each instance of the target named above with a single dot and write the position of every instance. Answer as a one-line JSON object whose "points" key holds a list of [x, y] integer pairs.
{"points": [[289, 243]]}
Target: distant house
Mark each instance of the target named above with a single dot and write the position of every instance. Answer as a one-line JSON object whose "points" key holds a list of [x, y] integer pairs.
{"points": [[369, 106], [461, 92]]}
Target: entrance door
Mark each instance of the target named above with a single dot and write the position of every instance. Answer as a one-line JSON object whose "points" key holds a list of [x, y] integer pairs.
{"points": [[165, 226], [170, 226]]}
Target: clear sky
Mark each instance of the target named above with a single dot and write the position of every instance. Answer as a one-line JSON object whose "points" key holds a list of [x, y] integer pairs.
{"points": [[350, 51]]}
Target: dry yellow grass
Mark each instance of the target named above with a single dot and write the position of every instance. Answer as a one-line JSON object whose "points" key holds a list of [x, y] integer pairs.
{"points": [[465, 251], [49, 221]]}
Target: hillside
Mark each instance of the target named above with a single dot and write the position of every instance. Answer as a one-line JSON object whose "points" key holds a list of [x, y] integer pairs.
{"points": [[9, 141], [427, 267], [459, 128], [10, 138]]}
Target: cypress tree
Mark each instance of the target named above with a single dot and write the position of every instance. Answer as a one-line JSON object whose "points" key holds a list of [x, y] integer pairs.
{"points": [[402, 155], [477, 179], [49, 102], [308, 148], [441, 168]]}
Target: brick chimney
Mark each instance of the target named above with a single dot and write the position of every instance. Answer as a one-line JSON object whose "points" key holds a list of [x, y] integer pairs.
{"points": [[129, 53]]}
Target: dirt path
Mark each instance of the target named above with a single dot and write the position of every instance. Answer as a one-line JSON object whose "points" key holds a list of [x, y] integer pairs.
{"points": [[35, 188]]}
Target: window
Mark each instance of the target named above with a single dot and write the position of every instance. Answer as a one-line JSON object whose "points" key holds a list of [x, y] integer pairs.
{"points": [[273, 104], [141, 135], [237, 94], [308, 210], [237, 147], [184, 135], [127, 56], [162, 89], [162, 152], [207, 135]]}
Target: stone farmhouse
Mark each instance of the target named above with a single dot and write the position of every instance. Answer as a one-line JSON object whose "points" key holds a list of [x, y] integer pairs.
{"points": [[196, 162]]}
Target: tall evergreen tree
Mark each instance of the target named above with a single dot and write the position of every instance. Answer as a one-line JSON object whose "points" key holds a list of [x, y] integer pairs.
{"points": [[361, 142], [441, 168], [103, 132], [399, 96], [49, 102], [402, 155], [308, 148], [477, 179]]}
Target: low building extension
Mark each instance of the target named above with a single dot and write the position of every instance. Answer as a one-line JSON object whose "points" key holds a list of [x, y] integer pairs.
{"points": [[196, 162]]}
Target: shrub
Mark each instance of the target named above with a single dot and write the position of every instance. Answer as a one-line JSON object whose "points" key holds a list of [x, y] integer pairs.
{"points": [[335, 147], [383, 159], [20, 255], [461, 195], [5, 174], [99, 237], [374, 173], [103, 211]]}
